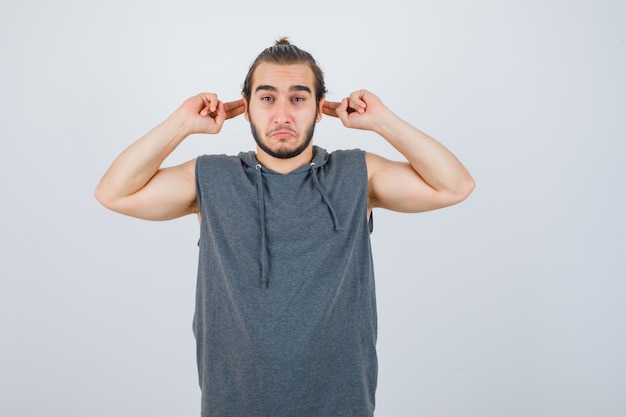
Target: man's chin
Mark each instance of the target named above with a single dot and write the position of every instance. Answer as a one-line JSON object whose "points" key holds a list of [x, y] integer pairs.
{"points": [[285, 152]]}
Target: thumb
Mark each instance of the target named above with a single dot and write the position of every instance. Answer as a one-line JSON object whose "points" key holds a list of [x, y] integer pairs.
{"points": [[219, 116], [342, 111]]}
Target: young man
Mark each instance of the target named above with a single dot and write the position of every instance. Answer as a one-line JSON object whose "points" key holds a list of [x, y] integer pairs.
{"points": [[285, 317]]}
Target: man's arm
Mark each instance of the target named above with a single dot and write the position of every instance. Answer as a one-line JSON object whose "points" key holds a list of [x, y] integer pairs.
{"points": [[137, 186], [431, 178]]}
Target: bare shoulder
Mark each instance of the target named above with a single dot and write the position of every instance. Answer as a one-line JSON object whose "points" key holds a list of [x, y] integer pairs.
{"points": [[375, 163]]}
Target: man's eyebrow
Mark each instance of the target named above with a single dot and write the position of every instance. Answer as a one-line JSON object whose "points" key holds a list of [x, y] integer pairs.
{"points": [[300, 88], [266, 87]]}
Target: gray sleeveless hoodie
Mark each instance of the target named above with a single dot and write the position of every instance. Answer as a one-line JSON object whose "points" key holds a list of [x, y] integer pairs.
{"points": [[285, 318]]}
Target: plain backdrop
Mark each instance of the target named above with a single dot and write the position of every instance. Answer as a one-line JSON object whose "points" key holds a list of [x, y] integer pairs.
{"points": [[509, 304]]}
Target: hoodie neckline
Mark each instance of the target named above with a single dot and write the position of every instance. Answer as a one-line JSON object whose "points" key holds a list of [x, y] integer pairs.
{"points": [[320, 156]]}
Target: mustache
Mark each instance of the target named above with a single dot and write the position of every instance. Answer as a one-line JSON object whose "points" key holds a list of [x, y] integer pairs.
{"points": [[282, 128]]}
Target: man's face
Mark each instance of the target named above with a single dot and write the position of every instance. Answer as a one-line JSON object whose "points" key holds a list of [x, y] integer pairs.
{"points": [[282, 110]]}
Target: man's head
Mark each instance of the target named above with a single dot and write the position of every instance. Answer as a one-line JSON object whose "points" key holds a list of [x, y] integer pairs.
{"points": [[284, 92], [284, 53]]}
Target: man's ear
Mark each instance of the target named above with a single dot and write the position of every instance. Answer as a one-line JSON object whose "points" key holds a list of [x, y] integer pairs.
{"points": [[245, 109], [320, 108]]}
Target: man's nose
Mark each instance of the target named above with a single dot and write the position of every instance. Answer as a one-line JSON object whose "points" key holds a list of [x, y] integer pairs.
{"points": [[281, 112]]}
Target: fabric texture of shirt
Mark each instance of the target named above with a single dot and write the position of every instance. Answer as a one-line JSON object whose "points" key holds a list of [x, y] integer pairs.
{"points": [[285, 319]]}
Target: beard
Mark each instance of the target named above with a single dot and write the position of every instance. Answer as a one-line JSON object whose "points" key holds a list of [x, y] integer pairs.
{"points": [[284, 153]]}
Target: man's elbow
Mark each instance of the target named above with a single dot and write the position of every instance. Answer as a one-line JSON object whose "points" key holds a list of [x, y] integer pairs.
{"points": [[105, 198], [100, 196], [465, 188]]}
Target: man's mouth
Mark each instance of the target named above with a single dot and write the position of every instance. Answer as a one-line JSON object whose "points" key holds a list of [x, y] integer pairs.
{"points": [[282, 133]]}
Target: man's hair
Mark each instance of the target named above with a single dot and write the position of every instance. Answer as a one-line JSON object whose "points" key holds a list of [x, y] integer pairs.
{"points": [[284, 53]]}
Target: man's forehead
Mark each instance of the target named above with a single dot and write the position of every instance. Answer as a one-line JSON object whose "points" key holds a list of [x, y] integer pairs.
{"points": [[276, 77]]}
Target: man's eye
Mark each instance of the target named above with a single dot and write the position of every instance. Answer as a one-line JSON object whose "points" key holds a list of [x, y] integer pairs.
{"points": [[266, 99], [298, 99]]}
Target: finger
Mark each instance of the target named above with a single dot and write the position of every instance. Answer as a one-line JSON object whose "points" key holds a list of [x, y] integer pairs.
{"points": [[343, 111], [356, 101], [218, 116], [210, 102], [330, 108], [331, 105], [358, 106], [207, 112], [234, 108]]}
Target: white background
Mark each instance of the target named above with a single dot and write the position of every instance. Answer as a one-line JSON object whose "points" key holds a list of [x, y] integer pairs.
{"points": [[509, 304]]}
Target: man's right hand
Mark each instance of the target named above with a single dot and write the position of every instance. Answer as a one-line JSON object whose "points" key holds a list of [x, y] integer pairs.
{"points": [[205, 113]]}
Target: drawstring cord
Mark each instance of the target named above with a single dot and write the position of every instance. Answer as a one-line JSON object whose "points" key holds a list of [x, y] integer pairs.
{"points": [[325, 197], [259, 187]]}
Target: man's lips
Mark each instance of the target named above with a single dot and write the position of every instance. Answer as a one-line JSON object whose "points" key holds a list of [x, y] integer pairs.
{"points": [[282, 134]]}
